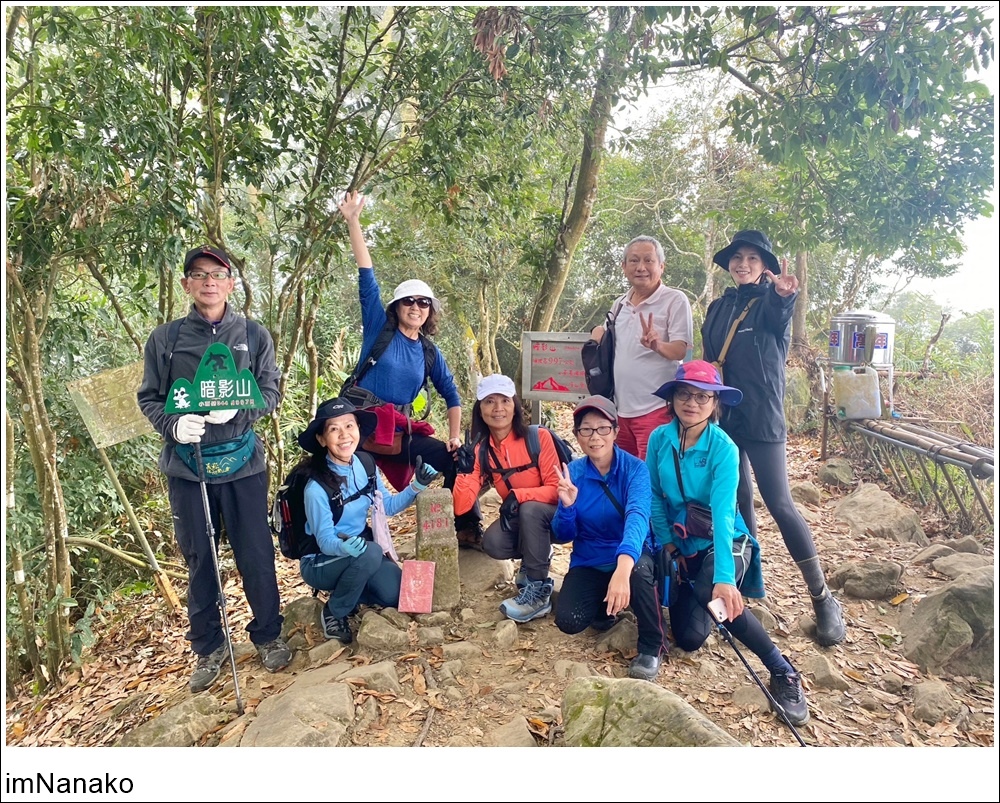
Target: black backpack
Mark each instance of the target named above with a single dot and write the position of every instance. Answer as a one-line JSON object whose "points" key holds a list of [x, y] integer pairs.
{"points": [[563, 450], [599, 358], [288, 514]]}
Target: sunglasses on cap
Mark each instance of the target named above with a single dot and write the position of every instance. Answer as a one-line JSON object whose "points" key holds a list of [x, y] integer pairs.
{"points": [[409, 301]]}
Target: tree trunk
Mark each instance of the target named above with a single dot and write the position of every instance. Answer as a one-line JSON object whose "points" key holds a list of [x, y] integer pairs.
{"points": [[800, 335], [623, 29], [27, 371], [24, 603]]}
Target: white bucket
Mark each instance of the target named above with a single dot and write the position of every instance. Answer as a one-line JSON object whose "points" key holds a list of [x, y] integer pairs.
{"points": [[856, 392]]}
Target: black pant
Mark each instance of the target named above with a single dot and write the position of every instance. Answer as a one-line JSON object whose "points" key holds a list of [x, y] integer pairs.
{"points": [[771, 473], [691, 623], [434, 452], [242, 505], [581, 601]]}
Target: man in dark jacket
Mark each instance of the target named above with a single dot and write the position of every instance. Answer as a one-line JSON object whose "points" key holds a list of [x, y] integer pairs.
{"points": [[238, 498]]}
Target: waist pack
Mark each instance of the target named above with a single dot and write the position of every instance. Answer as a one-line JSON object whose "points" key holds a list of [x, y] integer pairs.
{"points": [[221, 459], [697, 523]]}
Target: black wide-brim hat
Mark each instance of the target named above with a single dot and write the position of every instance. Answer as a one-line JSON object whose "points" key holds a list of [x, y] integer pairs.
{"points": [[752, 237], [334, 408]]}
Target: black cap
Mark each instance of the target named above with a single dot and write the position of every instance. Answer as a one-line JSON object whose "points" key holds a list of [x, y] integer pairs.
{"points": [[217, 254]]}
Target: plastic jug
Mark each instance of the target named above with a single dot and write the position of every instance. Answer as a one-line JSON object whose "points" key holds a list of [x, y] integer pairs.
{"points": [[856, 392]]}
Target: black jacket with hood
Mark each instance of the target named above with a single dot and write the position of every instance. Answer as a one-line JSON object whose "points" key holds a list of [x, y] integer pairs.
{"points": [[755, 362]]}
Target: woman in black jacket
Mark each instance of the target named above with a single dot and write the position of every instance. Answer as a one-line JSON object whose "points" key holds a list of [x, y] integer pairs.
{"points": [[755, 363]]}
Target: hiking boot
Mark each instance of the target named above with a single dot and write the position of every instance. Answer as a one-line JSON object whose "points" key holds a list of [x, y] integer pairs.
{"points": [[337, 628], [644, 667], [533, 601], [470, 536], [521, 579], [275, 655], [207, 670], [602, 624], [830, 627], [786, 689]]}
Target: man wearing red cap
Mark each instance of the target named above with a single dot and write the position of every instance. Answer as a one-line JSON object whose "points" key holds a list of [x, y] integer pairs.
{"points": [[239, 498]]}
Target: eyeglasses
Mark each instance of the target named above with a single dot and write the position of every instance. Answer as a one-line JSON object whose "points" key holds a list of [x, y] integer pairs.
{"points": [[409, 301], [586, 432], [687, 395], [200, 275]]}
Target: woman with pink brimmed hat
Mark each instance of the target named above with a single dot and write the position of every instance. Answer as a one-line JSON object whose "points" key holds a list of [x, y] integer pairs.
{"points": [[694, 472], [754, 362]]}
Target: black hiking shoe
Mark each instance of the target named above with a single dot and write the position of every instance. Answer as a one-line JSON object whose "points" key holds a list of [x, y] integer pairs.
{"points": [[786, 689], [470, 537], [830, 627], [275, 655], [207, 670], [602, 624], [644, 667], [337, 628]]}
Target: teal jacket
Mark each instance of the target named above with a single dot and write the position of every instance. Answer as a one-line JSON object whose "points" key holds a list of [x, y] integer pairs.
{"points": [[710, 471]]}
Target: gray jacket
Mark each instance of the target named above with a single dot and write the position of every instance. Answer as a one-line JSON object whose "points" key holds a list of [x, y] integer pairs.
{"points": [[194, 337]]}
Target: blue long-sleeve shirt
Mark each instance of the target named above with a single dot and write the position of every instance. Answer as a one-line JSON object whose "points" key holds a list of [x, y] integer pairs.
{"points": [[598, 531], [354, 518], [398, 374], [710, 471]]}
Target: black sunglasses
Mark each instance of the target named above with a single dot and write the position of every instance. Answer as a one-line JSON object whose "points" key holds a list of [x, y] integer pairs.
{"points": [[409, 301]]}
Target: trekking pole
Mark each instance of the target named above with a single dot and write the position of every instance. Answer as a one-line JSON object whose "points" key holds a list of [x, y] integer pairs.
{"points": [[728, 637], [210, 532]]}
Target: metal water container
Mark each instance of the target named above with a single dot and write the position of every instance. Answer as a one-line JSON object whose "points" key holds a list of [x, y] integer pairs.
{"points": [[862, 337]]}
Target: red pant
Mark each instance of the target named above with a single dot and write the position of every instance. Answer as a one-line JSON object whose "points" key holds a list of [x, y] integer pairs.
{"points": [[633, 433]]}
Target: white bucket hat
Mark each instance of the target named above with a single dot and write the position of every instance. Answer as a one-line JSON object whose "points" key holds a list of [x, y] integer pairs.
{"points": [[496, 383], [417, 288]]}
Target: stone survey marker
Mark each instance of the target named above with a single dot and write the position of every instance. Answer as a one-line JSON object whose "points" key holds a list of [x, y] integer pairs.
{"points": [[436, 542]]}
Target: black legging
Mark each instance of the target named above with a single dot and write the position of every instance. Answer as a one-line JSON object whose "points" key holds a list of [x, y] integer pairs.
{"points": [[581, 601], [691, 623], [771, 473]]}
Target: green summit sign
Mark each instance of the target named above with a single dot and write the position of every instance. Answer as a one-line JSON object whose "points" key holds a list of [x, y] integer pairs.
{"points": [[217, 385]]}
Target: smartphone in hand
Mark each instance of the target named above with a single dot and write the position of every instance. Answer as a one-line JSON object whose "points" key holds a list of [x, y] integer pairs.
{"points": [[717, 608]]}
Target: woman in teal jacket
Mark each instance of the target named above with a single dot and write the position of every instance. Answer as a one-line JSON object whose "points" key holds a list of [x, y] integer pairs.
{"points": [[691, 460]]}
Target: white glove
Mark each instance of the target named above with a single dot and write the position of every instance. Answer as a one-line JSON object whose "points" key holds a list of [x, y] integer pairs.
{"points": [[189, 428], [220, 416]]}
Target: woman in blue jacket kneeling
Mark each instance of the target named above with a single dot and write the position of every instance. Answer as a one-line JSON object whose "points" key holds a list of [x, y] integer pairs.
{"points": [[604, 510], [694, 465], [346, 561]]}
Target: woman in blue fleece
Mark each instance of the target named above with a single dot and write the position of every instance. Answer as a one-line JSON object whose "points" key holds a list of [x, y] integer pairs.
{"points": [[604, 510], [692, 460], [344, 559]]}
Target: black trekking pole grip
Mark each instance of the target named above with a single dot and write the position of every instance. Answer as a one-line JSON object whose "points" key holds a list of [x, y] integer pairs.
{"points": [[728, 638], [210, 534]]}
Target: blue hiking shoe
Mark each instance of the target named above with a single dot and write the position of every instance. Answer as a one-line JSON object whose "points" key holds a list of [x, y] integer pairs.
{"points": [[532, 601]]}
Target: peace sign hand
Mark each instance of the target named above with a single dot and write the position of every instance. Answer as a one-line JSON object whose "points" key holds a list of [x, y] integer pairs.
{"points": [[650, 337], [785, 284], [566, 489]]}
